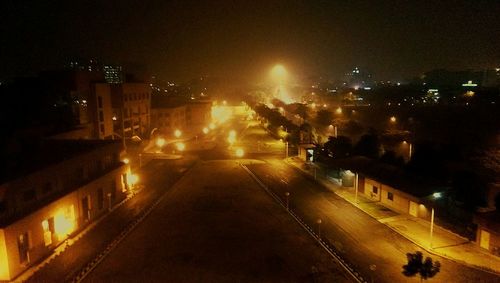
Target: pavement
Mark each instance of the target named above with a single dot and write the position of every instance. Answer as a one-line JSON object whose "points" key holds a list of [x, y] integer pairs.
{"points": [[445, 243]]}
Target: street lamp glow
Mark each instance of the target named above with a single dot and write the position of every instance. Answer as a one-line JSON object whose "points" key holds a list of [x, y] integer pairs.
{"points": [[160, 142], [393, 119], [177, 133], [338, 110], [126, 160], [240, 152], [132, 179], [437, 195], [180, 146], [278, 72], [205, 130]]}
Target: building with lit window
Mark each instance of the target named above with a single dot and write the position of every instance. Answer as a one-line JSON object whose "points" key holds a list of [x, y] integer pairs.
{"points": [[113, 74], [169, 119], [169, 115], [54, 191], [131, 103]]}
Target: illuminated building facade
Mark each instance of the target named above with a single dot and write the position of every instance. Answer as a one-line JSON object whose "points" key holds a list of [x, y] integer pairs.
{"points": [[169, 119], [131, 103], [178, 115], [59, 190]]}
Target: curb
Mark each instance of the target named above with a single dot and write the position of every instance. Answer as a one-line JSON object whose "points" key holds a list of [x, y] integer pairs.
{"points": [[329, 249]]}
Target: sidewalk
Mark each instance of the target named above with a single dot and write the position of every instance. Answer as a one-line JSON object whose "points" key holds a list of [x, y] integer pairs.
{"points": [[444, 243]]}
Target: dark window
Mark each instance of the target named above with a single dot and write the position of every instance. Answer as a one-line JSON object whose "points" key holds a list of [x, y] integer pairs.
{"points": [[3, 206], [23, 245], [113, 190], [101, 116], [47, 188], [375, 190], [390, 196], [29, 195], [102, 128], [99, 101], [100, 198]]}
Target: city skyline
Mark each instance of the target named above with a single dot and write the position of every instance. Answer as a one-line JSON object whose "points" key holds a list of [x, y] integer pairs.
{"points": [[184, 40]]}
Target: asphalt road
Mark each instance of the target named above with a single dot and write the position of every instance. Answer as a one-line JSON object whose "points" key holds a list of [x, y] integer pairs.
{"points": [[217, 225], [362, 240]]}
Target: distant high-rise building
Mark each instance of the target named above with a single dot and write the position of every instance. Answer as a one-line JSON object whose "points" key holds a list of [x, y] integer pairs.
{"points": [[113, 74], [491, 78], [358, 79]]}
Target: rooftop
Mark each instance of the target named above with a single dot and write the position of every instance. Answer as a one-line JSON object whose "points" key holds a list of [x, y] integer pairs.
{"points": [[390, 175], [29, 158]]}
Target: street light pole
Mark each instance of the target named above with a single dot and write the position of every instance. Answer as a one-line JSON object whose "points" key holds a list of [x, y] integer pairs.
{"points": [[356, 188], [286, 150], [319, 227], [287, 194], [432, 227], [410, 151]]}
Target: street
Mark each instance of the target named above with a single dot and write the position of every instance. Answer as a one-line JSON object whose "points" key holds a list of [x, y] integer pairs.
{"points": [[217, 225]]}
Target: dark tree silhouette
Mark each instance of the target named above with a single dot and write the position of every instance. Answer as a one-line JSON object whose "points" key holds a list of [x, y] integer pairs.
{"points": [[301, 110], [338, 147], [369, 146], [324, 117], [417, 265]]}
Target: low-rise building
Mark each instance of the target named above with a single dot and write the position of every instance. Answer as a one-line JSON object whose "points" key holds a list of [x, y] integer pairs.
{"points": [[51, 192], [488, 231], [171, 114]]}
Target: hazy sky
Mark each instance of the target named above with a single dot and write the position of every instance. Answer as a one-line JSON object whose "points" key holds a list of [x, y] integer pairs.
{"points": [[185, 39]]}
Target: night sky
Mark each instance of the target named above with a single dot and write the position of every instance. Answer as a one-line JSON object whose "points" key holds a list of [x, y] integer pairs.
{"points": [[185, 39]]}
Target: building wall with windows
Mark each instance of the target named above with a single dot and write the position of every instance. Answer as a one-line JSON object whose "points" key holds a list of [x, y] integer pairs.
{"points": [[388, 196], [39, 210], [131, 105], [101, 111], [169, 119], [198, 113]]}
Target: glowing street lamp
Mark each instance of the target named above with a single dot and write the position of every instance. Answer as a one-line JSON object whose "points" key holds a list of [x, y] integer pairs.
{"points": [[205, 130], [132, 180], [180, 146], [160, 142], [240, 152], [177, 133], [393, 119], [126, 160], [278, 73], [338, 110]]}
